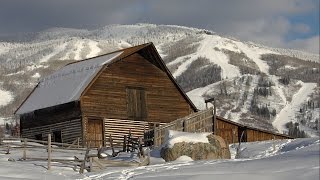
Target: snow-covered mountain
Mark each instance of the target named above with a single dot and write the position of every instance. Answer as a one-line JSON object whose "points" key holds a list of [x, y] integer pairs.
{"points": [[253, 84]]}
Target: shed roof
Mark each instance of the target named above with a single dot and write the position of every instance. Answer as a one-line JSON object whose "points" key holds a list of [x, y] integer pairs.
{"points": [[68, 83]]}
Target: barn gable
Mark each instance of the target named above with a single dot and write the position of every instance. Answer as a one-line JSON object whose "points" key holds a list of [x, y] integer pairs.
{"points": [[73, 80]]}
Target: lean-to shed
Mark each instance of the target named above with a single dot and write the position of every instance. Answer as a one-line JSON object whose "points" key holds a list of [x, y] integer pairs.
{"points": [[129, 89]]}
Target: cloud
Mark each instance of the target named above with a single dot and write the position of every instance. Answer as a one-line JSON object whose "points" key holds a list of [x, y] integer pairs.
{"points": [[263, 21], [310, 44]]}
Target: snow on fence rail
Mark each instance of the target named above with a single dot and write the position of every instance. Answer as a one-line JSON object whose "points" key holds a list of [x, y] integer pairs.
{"points": [[201, 121]]}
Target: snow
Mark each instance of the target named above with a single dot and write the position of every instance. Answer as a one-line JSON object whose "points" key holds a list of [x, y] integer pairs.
{"points": [[57, 50], [289, 160], [287, 114], [254, 54], [78, 47], [5, 97], [207, 50], [65, 85], [36, 75], [94, 49], [292, 159], [173, 137], [184, 159]]}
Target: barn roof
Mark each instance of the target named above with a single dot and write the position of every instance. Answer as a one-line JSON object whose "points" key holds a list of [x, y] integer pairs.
{"points": [[68, 83]]}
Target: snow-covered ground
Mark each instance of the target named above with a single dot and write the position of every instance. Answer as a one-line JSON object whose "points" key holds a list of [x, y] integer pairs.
{"points": [[280, 159]]}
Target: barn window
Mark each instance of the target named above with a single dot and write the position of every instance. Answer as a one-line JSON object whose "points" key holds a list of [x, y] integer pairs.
{"points": [[57, 136], [136, 103]]}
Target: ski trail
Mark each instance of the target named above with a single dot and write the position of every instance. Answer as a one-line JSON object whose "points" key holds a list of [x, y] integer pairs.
{"points": [[77, 52], [56, 51], [206, 49], [287, 114], [94, 49]]}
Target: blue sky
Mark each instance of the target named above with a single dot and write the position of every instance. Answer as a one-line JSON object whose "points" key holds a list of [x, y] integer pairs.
{"points": [[276, 23]]}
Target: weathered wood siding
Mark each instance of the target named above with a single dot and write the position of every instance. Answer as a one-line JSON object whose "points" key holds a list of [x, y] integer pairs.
{"points": [[107, 97], [256, 135], [65, 118], [118, 128], [70, 131], [227, 130], [51, 115], [231, 132]]}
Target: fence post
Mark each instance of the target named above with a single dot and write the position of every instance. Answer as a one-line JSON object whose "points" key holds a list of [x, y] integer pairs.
{"points": [[78, 139], [273, 143], [124, 143], [141, 152], [214, 117], [24, 156], [49, 152]]}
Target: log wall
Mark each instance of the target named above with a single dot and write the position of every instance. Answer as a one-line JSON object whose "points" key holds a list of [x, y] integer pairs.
{"points": [[227, 130], [118, 128], [70, 131]]}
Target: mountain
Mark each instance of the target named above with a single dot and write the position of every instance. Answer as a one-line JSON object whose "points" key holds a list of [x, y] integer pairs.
{"points": [[269, 88]]}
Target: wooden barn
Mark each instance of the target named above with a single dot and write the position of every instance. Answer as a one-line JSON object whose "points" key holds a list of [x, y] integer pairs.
{"points": [[130, 89]]}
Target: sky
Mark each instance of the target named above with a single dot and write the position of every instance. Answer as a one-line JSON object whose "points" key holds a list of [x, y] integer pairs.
{"points": [[276, 23]]}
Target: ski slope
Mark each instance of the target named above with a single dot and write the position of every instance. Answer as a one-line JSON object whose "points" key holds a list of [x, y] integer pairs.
{"points": [[287, 114]]}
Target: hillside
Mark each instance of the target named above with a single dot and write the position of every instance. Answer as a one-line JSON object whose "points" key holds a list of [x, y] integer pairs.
{"points": [[274, 89]]}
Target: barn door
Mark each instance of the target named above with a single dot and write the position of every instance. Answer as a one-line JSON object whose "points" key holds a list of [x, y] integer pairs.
{"points": [[242, 130], [136, 103], [95, 136]]}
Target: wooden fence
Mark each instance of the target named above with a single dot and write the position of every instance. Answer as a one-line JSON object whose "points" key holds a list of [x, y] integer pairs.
{"points": [[50, 147], [201, 121], [118, 128]]}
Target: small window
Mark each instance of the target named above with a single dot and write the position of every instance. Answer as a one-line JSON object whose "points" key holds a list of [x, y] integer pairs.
{"points": [[57, 136], [136, 102], [38, 137]]}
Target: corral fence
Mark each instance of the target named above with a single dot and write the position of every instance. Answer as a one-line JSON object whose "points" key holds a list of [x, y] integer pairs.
{"points": [[201, 121], [28, 146]]}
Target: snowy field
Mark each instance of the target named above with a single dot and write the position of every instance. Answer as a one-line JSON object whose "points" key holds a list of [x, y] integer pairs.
{"points": [[281, 159]]}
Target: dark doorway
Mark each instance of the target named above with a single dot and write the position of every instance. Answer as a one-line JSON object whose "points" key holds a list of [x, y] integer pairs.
{"points": [[242, 131], [57, 137]]}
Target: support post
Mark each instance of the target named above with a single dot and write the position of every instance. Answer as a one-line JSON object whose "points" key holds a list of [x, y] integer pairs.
{"points": [[141, 152], [111, 145], [24, 156], [124, 143], [49, 152], [273, 143], [214, 113], [78, 142], [214, 117]]}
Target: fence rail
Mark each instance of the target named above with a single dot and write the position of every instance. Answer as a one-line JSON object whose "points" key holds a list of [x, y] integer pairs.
{"points": [[201, 121]]}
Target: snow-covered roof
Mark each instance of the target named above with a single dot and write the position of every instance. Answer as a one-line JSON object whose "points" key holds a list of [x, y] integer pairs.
{"points": [[66, 84]]}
